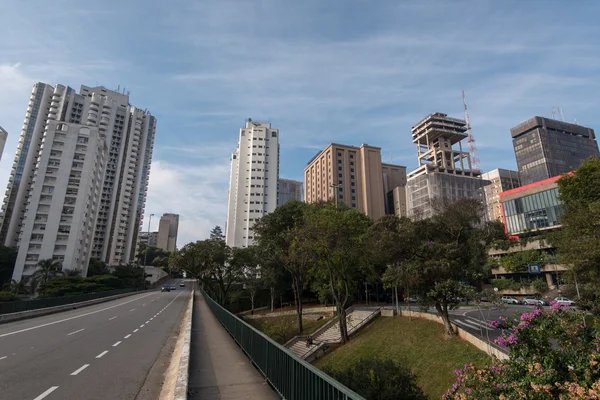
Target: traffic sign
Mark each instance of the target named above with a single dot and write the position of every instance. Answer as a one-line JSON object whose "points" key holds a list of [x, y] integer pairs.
{"points": [[534, 268]]}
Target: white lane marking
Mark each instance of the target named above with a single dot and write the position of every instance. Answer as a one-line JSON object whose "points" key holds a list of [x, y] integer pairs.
{"points": [[133, 309], [127, 337], [148, 321], [110, 319], [118, 343], [2, 358], [135, 330], [102, 354], [80, 369], [144, 305], [478, 323], [72, 333], [46, 393], [74, 317], [142, 325], [151, 318]]}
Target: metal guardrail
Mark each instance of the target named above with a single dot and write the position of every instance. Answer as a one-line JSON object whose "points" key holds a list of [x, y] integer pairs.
{"points": [[292, 377], [36, 304]]}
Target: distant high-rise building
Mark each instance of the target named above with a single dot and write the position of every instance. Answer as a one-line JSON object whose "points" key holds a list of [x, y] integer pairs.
{"points": [[444, 172], [78, 185], [167, 232], [3, 136], [253, 181], [289, 190], [148, 238], [356, 177], [546, 148], [501, 181]]}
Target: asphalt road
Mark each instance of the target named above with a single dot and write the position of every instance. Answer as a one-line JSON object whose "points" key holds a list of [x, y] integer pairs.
{"points": [[105, 351]]}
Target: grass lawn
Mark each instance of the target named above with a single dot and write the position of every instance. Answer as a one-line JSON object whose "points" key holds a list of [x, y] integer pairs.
{"points": [[287, 326], [432, 356]]}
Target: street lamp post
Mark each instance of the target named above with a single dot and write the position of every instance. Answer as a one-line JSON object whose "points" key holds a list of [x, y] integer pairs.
{"points": [[146, 253]]}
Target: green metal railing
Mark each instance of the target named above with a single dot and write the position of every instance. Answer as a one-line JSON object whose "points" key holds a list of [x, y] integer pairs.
{"points": [[36, 304], [292, 377]]}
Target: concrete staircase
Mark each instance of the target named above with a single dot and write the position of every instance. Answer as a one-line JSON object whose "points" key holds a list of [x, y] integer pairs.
{"points": [[329, 333]]}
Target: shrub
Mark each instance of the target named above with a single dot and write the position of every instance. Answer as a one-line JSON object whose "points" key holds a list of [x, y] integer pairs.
{"points": [[7, 296], [506, 284], [552, 355], [377, 379], [540, 285]]}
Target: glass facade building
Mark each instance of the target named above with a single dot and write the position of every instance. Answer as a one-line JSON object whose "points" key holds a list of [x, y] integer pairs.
{"points": [[532, 207], [545, 148]]}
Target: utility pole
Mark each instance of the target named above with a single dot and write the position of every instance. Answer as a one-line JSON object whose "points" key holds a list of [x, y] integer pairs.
{"points": [[146, 254]]}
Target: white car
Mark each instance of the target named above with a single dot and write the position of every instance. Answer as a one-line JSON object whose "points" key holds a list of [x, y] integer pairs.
{"points": [[564, 300], [510, 300], [532, 300]]}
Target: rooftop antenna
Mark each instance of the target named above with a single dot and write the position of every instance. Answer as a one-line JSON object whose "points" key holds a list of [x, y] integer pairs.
{"points": [[471, 141], [562, 117], [575, 121], [553, 112]]}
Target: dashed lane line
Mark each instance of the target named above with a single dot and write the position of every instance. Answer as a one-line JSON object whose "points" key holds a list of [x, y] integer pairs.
{"points": [[2, 358], [110, 319], [102, 354], [77, 331], [118, 343], [46, 393], [77, 371], [127, 336], [71, 318], [135, 330]]}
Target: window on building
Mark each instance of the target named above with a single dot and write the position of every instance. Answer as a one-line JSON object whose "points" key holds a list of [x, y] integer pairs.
{"points": [[352, 184], [339, 168], [339, 175], [351, 162], [353, 197], [339, 154]]}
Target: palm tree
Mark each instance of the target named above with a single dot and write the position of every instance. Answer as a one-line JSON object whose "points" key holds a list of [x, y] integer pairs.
{"points": [[17, 287], [47, 269]]}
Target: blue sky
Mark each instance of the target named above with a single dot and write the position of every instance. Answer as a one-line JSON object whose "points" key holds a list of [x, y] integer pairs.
{"points": [[344, 71]]}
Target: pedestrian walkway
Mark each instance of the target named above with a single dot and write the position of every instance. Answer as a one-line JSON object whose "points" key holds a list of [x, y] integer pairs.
{"points": [[219, 370]]}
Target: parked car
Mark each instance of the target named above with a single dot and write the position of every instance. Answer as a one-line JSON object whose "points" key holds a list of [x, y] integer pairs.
{"points": [[532, 300], [510, 300], [564, 300], [165, 288]]}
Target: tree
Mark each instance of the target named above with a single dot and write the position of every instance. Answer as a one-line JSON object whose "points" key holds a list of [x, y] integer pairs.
{"points": [[332, 239], [579, 240], [551, 356], [246, 261], [274, 235], [131, 275], [47, 269], [377, 379], [97, 267], [451, 254], [17, 287], [72, 272]]}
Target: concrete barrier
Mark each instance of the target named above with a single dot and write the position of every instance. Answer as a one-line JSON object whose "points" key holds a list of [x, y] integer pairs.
{"points": [[464, 335], [181, 384], [4, 318]]}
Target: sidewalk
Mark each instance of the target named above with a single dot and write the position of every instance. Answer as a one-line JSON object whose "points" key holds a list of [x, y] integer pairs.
{"points": [[219, 370]]}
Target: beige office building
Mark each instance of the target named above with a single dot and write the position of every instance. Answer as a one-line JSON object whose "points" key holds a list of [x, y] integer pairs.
{"points": [[501, 181], [167, 232], [356, 177]]}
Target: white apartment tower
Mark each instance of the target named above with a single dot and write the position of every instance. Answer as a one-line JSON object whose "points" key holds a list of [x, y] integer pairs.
{"points": [[78, 185], [167, 232], [3, 136], [253, 181]]}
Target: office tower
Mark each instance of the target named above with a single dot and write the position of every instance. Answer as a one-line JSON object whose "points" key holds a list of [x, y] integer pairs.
{"points": [[127, 136], [167, 232], [501, 181], [253, 181], [546, 148], [444, 172], [287, 190], [3, 136], [356, 177]]}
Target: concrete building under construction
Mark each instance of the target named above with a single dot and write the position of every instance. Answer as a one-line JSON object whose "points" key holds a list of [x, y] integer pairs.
{"points": [[444, 171]]}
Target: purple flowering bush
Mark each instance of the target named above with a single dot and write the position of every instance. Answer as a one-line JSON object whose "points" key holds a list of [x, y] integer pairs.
{"points": [[551, 356]]}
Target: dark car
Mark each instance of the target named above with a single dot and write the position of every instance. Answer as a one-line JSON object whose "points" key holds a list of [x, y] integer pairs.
{"points": [[165, 288]]}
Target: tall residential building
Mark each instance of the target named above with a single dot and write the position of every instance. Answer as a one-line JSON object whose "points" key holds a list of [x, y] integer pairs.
{"points": [[121, 138], [3, 136], [253, 181], [167, 232], [356, 177], [501, 181], [444, 171], [546, 148], [148, 238], [288, 190]]}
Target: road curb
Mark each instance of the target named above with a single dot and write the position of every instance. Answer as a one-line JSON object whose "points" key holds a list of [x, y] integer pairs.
{"points": [[181, 384], [4, 318]]}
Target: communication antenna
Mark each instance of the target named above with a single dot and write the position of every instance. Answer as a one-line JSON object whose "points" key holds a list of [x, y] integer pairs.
{"points": [[553, 112], [562, 117], [471, 141]]}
